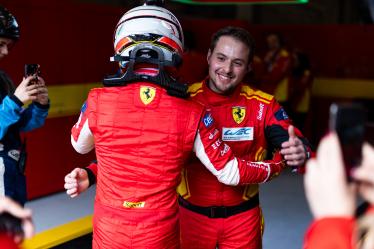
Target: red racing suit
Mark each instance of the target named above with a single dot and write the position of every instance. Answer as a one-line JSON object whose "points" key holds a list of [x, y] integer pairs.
{"points": [[7, 242], [251, 123], [143, 137], [342, 232], [331, 233]]}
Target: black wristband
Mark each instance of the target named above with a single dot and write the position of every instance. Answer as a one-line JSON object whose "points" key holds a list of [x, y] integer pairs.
{"points": [[16, 100], [307, 153], [91, 177]]}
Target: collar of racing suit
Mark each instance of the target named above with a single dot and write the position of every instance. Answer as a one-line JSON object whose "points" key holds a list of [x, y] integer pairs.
{"points": [[215, 99]]}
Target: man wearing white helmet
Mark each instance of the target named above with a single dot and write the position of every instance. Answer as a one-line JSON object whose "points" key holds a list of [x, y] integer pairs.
{"points": [[143, 130]]}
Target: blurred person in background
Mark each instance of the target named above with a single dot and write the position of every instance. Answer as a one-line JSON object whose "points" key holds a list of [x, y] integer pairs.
{"points": [[332, 199], [14, 117], [277, 63], [300, 83], [256, 73]]}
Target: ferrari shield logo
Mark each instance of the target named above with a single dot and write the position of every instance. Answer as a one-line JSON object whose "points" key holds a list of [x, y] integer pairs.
{"points": [[238, 113], [147, 94]]}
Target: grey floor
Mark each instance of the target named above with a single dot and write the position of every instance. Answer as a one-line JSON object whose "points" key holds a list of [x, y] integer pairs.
{"points": [[286, 212], [59, 209], [282, 200]]}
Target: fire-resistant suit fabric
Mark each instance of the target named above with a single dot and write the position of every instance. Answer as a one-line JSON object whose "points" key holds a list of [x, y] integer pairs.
{"points": [[252, 123], [7, 242], [331, 233], [143, 137]]}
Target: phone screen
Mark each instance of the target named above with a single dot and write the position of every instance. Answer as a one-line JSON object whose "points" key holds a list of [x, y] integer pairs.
{"points": [[348, 121], [31, 69]]}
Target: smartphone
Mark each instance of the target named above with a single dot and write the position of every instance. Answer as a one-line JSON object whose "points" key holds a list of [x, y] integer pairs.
{"points": [[348, 121], [32, 69]]}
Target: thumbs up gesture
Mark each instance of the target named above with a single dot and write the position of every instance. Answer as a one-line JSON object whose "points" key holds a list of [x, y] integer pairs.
{"points": [[293, 150]]}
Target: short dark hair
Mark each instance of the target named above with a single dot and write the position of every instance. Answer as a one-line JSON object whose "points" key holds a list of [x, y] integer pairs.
{"points": [[237, 33], [279, 36]]}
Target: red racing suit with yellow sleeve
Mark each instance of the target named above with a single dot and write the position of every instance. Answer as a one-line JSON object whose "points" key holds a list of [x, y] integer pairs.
{"points": [[142, 138], [252, 123]]}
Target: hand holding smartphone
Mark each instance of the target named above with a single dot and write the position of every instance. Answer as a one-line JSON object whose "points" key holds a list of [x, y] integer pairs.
{"points": [[348, 121]]}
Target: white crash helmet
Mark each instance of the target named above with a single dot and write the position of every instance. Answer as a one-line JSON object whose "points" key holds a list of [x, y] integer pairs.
{"points": [[149, 24]]}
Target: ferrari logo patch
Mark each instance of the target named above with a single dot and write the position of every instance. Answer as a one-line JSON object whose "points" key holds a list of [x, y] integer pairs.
{"points": [[147, 94], [238, 113]]}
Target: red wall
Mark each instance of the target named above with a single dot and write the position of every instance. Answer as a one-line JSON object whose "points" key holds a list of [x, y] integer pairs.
{"points": [[73, 42], [51, 156]]}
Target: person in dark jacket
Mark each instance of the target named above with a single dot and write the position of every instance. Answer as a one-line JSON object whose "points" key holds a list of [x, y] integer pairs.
{"points": [[14, 117]]}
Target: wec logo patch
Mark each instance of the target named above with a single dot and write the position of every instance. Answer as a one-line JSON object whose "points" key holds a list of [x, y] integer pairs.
{"points": [[237, 134]]}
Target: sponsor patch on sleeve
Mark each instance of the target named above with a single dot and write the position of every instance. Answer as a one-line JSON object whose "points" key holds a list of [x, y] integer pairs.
{"points": [[208, 120], [281, 114]]}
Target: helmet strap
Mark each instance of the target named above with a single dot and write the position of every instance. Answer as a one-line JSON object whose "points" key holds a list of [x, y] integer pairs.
{"points": [[141, 54]]}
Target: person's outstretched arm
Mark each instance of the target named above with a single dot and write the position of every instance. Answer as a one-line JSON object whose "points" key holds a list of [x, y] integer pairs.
{"points": [[80, 179], [220, 160], [331, 199]]}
